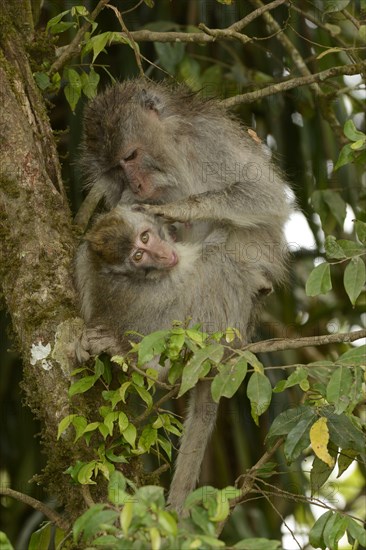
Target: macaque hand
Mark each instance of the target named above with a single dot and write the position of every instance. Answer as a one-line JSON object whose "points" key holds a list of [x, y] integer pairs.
{"points": [[173, 212]]}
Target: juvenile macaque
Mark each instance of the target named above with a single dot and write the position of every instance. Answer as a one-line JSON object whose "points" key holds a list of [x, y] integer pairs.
{"points": [[184, 159], [130, 274]]}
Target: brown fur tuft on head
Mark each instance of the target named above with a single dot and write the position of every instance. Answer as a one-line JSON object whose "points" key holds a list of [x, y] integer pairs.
{"points": [[111, 239]]}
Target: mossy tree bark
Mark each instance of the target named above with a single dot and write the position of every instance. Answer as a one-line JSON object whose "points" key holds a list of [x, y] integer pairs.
{"points": [[37, 244]]}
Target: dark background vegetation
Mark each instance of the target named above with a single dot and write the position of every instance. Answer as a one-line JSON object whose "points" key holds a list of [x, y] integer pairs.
{"points": [[303, 152]]}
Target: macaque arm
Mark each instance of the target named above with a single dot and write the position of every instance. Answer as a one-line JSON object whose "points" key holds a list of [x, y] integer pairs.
{"points": [[229, 206], [197, 429]]}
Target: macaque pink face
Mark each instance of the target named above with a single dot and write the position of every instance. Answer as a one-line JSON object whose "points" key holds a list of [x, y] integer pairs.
{"points": [[139, 174], [150, 251]]}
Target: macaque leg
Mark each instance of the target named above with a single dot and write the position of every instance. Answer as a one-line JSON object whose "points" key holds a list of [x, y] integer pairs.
{"points": [[198, 427]]}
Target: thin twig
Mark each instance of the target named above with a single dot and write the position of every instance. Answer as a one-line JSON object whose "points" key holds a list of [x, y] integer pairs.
{"points": [[131, 40], [156, 407]]}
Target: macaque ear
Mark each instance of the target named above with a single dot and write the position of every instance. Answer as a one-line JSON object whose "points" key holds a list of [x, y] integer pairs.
{"points": [[151, 102]]}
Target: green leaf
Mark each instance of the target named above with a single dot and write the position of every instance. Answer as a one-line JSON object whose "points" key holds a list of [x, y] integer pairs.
{"points": [[130, 434], [109, 421], [117, 489], [343, 432], [316, 538], [295, 378], [148, 438], [88, 525], [229, 379], [298, 439], [166, 446], [196, 365], [346, 156], [329, 203], [354, 278], [353, 357], [176, 342], [320, 471], [357, 531], [361, 231], [152, 345], [287, 420], [170, 55], [167, 523], [319, 280], [352, 133], [79, 10], [336, 205], [42, 80], [40, 540], [351, 248], [335, 5], [97, 44], [64, 424], [122, 422], [332, 249], [345, 459], [259, 392], [52, 22], [145, 396], [85, 473], [257, 544], [79, 423], [357, 145], [89, 83], [338, 389], [334, 530], [82, 385], [126, 516], [73, 89]]}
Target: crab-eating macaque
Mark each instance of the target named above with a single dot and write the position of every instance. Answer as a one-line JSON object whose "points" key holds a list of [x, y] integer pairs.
{"points": [[184, 158], [131, 274]]}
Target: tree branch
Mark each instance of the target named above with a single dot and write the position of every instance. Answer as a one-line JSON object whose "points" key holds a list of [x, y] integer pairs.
{"points": [[239, 25], [250, 97], [209, 35], [37, 505], [280, 344]]}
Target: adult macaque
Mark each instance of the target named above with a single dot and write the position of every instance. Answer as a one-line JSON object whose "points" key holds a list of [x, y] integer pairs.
{"points": [[178, 156]]}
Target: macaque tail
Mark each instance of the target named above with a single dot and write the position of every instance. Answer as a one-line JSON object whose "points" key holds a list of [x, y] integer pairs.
{"points": [[198, 426]]}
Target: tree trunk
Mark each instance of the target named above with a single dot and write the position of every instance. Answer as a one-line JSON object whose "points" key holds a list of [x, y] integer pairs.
{"points": [[37, 244]]}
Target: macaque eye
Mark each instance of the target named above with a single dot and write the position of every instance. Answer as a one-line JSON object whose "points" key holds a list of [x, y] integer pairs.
{"points": [[144, 237], [138, 256], [131, 156]]}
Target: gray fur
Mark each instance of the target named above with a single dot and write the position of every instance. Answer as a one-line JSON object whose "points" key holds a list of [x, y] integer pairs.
{"points": [[229, 200]]}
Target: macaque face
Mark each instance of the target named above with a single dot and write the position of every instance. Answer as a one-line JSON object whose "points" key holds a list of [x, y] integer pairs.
{"points": [[128, 149], [150, 251], [132, 244]]}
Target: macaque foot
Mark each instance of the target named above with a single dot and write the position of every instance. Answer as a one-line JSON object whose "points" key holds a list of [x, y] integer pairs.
{"points": [[94, 341]]}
